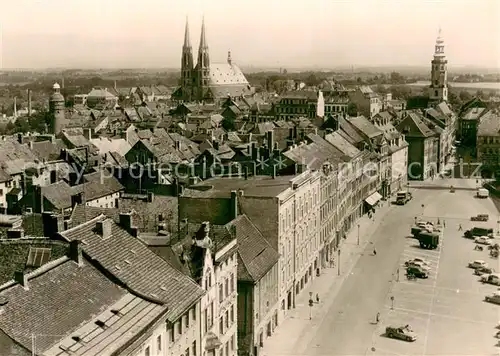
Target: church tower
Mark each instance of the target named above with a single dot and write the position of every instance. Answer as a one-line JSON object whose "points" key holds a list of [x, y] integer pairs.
{"points": [[56, 108], [187, 66], [203, 66], [438, 90]]}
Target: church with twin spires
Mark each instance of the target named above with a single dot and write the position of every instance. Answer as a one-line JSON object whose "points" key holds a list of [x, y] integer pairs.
{"points": [[206, 81]]}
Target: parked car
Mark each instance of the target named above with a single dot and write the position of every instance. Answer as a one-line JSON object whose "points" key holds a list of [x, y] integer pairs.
{"points": [[402, 333], [477, 264], [493, 298], [417, 272], [482, 240], [483, 270], [418, 264], [418, 259], [480, 217], [492, 278]]}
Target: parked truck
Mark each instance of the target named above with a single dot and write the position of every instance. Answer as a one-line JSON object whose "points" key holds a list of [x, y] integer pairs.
{"points": [[427, 239], [403, 197]]}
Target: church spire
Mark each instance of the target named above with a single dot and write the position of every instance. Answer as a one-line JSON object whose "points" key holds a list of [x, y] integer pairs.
{"points": [[438, 90], [187, 41], [203, 39]]}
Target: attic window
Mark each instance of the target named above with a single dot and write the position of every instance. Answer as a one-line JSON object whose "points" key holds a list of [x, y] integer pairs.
{"points": [[127, 262], [65, 349], [118, 268], [163, 288], [132, 251], [38, 256], [77, 339], [101, 324]]}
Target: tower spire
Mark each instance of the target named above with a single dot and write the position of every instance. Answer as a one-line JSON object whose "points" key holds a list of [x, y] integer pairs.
{"points": [[203, 39], [187, 41]]}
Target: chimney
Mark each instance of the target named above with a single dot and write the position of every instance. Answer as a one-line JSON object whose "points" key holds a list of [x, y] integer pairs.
{"points": [[15, 106], [234, 204], [270, 140], [87, 133], [104, 228], [62, 83], [274, 171], [15, 233], [127, 223], [114, 84], [52, 224], [29, 102], [178, 145], [255, 152], [75, 252], [21, 278]]}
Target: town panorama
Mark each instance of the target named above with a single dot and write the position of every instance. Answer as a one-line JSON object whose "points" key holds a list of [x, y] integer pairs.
{"points": [[217, 211]]}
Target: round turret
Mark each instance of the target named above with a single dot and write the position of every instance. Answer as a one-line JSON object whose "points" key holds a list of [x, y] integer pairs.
{"points": [[56, 95]]}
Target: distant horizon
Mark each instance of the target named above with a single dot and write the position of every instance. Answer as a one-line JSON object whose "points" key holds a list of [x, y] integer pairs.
{"points": [[258, 68]]}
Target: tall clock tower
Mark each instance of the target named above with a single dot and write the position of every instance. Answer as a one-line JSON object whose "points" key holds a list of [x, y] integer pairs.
{"points": [[438, 90]]}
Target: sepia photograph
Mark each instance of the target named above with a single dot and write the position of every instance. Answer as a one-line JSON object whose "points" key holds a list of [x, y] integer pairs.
{"points": [[249, 178]]}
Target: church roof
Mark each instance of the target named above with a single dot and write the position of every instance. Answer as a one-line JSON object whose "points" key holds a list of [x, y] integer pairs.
{"points": [[224, 74]]}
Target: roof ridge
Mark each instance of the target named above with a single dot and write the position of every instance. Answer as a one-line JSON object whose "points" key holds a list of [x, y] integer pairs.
{"points": [[91, 221]]}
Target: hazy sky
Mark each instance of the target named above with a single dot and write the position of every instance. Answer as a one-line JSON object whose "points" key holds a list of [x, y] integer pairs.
{"points": [[270, 33]]}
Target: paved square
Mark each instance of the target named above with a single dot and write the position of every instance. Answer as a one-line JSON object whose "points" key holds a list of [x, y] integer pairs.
{"points": [[447, 309]]}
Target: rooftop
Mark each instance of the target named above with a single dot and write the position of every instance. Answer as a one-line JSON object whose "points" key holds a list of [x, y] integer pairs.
{"points": [[135, 265], [489, 125], [258, 186]]}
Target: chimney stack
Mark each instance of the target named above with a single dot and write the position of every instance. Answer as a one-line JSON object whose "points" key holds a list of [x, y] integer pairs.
{"points": [[127, 223], [21, 278], [75, 252], [29, 102], [52, 224], [104, 228], [234, 204], [15, 106], [270, 140]]}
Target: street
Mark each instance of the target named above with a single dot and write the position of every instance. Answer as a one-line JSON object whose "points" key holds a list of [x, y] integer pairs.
{"points": [[447, 310]]}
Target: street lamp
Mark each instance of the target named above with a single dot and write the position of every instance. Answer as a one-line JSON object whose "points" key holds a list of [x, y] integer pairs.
{"points": [[311, 303], [338, 263], [358, 234]]}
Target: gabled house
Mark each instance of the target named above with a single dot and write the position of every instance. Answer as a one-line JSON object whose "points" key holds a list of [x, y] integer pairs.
{"points": [[423, 146]]}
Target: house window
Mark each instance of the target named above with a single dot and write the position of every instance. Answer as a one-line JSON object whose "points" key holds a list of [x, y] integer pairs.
{"points": [[187, 320], [232, 313], [186, 352], [180, 326], [233, 282], [194, 313], [221, 325], [221, 293], [147, 351], [194, 348], [226, 286], [227, 348], [233, 343], [158, 343], [227, 319]]}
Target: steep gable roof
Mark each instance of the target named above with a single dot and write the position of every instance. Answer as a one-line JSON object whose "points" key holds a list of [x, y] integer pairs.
{"points": [[145, 273], [255, 255]]}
